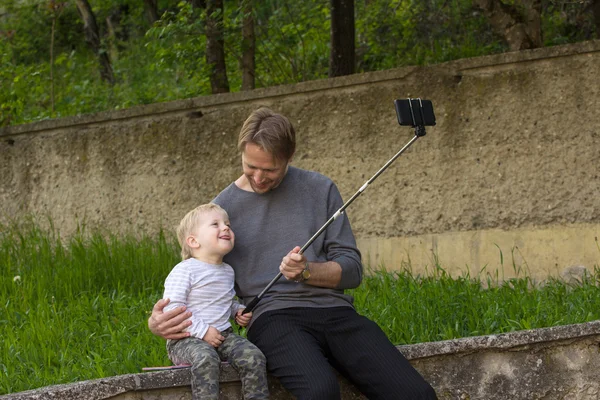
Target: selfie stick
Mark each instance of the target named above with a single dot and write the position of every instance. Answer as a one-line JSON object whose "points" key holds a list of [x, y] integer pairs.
{"points": [[419, 132]]}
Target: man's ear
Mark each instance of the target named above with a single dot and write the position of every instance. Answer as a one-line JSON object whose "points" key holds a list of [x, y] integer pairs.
{"points": [[289, 161], [192, 242]]}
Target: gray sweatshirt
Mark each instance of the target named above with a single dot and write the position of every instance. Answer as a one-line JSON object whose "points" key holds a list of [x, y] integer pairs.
{"points": [[267, 226]]}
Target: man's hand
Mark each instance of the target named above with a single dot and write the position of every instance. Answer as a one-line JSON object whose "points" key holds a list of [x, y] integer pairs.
{"points": [[213, 337], [293, 264], [322, 274], [170, 324], [243, 319]]}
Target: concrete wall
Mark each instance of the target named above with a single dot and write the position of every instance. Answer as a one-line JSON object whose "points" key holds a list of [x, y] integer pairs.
{"points": [[559, 363], [511, 167]]}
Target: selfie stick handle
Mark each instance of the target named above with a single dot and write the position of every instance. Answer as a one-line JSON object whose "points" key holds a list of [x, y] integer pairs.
{"points": [[419, 131]]}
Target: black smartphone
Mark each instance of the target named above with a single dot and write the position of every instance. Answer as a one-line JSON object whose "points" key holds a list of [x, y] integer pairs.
{"points": [[414, 112]]}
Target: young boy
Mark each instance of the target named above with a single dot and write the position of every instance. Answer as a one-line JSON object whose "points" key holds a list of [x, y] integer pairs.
{"points": [[204, 284]]}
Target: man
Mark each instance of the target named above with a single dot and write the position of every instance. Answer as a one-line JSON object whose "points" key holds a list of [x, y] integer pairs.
{"points": [[305, 324]]}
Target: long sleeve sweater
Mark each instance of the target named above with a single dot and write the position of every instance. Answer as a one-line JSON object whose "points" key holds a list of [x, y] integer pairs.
{"points": [[207, 291], [267, 226]]}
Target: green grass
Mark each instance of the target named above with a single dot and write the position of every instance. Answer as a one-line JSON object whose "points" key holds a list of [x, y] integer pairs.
{"points": [[421, 309], [76, 309]]}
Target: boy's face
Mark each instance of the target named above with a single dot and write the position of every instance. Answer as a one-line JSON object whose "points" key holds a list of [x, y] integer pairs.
{"points": [[263, 171], [213, 234]]}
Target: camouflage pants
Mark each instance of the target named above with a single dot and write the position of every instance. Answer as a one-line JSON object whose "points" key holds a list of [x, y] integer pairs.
{"points": [[246, 358]]}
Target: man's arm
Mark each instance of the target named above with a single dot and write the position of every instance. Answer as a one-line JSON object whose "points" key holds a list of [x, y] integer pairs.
{"points": [[170, 324], [323, 274], [327, 274], [343, 270]]}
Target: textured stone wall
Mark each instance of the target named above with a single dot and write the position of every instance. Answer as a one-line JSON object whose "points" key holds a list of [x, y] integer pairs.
{"points": [[517, 146]]}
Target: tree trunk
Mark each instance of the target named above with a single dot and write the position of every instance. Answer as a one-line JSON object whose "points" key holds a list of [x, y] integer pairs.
{"points": [[111, 27], [248, 46], [54, 18], [596, 11], [519, 23], [56, 8], [151, 11], [215, 46], [92, 36], [116, 30], [341, 56], [198, 3]]}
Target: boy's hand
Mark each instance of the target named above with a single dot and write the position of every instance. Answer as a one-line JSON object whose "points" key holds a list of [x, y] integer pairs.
{"points": [[243, 319], [213, 337]]}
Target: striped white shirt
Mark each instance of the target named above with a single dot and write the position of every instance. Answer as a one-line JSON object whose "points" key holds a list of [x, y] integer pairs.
{"points": [[206, 290]]}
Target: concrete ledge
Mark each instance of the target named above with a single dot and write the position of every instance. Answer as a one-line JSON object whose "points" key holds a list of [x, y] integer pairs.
{"points": [[506, 341], [561, 362]]}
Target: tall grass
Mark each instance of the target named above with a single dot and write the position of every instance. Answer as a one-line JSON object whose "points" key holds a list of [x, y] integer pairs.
{"points": [[412, 309], [76, 309]]}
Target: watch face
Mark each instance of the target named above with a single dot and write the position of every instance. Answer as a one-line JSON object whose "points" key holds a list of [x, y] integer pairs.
{"points": [[306, 274]]}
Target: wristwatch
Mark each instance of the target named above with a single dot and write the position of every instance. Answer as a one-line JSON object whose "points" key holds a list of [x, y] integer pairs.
{"points": [[305, 273]]}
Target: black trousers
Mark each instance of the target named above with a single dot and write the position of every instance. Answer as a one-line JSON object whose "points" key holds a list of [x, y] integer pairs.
{"points": [[303, 344]]}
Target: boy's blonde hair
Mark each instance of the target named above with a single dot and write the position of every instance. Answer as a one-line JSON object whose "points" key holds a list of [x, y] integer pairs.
{"points": [[188, 223]]}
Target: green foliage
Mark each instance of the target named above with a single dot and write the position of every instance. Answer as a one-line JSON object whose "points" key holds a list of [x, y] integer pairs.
{"points": [[394, 33], [167, 61], [292, 42], [29, 23], [413, 309], [177, 51], [19, 85], [567, 22], [76, 309]]}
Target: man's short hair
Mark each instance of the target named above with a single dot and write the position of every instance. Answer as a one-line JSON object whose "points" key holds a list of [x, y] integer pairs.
{"points": [[189, 222], [270, 131]]}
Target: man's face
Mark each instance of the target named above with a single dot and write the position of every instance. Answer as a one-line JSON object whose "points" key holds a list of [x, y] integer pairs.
{"points": [[263, 171]]}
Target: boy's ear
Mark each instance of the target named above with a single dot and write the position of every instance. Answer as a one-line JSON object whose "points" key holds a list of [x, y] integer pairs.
{"points": [[192, 242]]}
